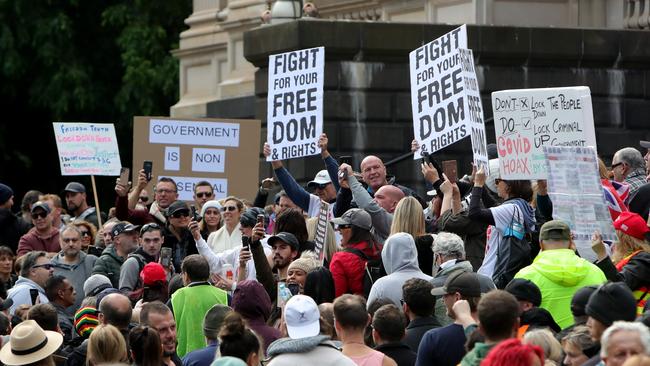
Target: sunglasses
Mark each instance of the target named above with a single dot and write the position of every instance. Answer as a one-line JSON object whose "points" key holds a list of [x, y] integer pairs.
{"points": [[47, 266], [143, 198], [617, 164], [148, 227], [320, 186], [204, 194], [228, 208], [85, 233], [344, 226], [179, 214], [42, 215]]}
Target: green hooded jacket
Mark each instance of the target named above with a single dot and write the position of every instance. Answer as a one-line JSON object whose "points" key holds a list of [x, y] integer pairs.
{"points": [[559, 273], [477, 354]]}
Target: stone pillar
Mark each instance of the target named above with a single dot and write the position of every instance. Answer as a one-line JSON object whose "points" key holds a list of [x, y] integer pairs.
{"points": [[212, 64]]}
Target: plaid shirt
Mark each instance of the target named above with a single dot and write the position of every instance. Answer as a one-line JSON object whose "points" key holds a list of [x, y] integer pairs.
{"points": [[635, 180]]}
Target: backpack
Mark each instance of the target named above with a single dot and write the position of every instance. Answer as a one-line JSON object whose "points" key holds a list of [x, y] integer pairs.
{"points": [[513, 254], [373, 269], [137, 293]]}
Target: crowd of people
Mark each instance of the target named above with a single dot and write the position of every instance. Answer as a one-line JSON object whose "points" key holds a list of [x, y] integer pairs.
{"points": [[476, 273]]}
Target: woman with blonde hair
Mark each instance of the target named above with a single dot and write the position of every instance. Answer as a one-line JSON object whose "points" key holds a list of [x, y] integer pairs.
{"points": [[630, 261], [106, 345], [409, 218], [551, 347]]}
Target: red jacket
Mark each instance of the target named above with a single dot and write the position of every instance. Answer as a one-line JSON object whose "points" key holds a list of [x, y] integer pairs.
{"points": [[348, 269], [34, 241]]}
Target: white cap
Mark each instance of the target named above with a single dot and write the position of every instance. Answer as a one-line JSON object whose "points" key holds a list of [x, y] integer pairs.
{"points": [[302, 317], [323, 177]]}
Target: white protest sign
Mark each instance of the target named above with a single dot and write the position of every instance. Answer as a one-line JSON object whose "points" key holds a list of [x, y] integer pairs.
{"points": [[526, 120], [577, 194], [167, 131], [185, 186], [474, 111], [295, 103], [321, 230], [87, 148], [438, 98]]}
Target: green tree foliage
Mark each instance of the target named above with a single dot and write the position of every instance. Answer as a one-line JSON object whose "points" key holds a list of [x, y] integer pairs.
{"points": [[75, 60]]}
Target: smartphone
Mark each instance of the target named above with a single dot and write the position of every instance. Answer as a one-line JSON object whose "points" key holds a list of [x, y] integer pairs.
{"points": [[244, 242], [148, 168], [345, 159], [450, 168], [33, 293], [165, 256], [260, 219], [195, 215], [294, 288], [124, 175], [96, 251]]}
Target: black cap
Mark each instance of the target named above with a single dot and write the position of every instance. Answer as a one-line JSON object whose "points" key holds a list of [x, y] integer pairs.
{"points": [[580, 299], [6, 304], [123, 227], [177, 206], [539, 318], [42, 205], [611, 302], [285, 237], [525, 290], [249, 217], [75, 187], [465, 283]]}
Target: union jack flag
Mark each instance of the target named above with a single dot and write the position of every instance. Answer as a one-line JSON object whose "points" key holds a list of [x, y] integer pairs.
{"points": [[615, 194]]}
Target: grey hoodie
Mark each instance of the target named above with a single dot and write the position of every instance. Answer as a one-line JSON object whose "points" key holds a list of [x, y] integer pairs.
{"points": [[317, 350], [400, 258], [77, 274], [21, 296]]}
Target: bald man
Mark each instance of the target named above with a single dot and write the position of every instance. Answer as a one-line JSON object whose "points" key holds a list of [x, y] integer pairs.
{"points": [[373, 172], [380, 207]]}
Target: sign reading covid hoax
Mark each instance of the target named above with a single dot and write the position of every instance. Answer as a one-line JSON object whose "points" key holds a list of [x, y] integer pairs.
{"points": [[438, 96], [526, 120], [295, 103]]}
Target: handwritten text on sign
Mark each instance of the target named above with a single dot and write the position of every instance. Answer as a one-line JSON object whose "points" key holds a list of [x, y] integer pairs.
{"points": [[437, 98], [525, 120], [87, 148], [577, 195], [474, 111], [295, 103]]}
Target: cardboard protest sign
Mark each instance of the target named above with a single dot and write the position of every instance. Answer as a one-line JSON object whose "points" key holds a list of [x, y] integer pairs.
{"points": [[321, 230], [295, 103], [526, 120], [577, 194], [438, 97], [224, 152], [87, 148], [474, 111]]}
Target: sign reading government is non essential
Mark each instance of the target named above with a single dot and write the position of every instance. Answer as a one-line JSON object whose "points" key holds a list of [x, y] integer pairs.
{"points": [[223, 152]]}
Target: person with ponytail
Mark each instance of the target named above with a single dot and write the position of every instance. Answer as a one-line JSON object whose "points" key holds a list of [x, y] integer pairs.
{"points": [[237, 340], [146, 348]]}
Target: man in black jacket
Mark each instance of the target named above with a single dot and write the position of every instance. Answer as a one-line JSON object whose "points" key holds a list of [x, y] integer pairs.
{"points": [[418, 307]]}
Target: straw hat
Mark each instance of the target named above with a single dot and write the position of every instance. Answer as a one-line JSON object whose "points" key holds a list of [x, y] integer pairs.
{"points": [[29, 343]]}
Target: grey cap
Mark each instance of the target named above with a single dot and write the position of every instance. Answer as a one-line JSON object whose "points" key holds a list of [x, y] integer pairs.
{"points": [[213, 320], [75, 187], [645, 144], [96, 284], [42, 205], [356, 217]]}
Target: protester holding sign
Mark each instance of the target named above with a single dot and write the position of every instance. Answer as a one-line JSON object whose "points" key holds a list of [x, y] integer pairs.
{"points": [[510, 221], [323, 184]]}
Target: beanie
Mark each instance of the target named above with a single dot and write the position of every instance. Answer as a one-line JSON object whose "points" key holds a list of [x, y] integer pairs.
{"points": [[580, 299], [525, 290], [611, 302], [249, 217], [95, 284], [5, 193], [85, 320], [307, 262]]}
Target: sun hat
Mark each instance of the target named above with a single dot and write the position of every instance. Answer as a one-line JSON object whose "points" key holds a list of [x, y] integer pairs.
{"points": [[29, 343]]}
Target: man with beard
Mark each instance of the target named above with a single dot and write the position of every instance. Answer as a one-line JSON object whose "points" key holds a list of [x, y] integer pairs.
{"points": [[158, 316], [73, 264], [165, 193], [75, 199], [151, 240], [43, 236]]}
